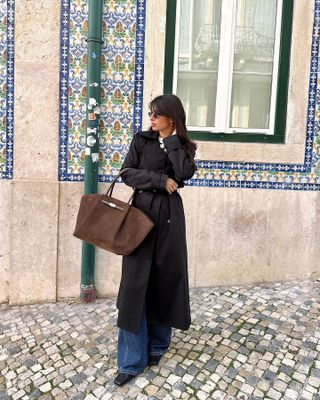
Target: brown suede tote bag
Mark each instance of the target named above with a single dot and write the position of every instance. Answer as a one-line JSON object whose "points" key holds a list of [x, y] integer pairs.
{"points": [[111, 224]]}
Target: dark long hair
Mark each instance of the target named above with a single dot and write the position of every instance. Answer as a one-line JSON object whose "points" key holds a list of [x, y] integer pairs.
{"points": [[170, 106]]}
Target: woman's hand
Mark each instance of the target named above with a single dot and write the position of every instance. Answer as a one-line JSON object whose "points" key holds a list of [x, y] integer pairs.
{"points": [[171, 186]]}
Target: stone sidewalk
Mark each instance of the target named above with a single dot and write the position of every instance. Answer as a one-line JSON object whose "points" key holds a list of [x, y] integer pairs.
{"points": [[245, 342]]}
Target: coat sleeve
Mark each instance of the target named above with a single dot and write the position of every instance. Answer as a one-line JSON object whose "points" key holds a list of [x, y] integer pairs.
{"points": [[140, 178], [182, 166]]}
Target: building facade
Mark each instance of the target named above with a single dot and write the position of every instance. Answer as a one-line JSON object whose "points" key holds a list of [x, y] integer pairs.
{"points": [[247, 72]]}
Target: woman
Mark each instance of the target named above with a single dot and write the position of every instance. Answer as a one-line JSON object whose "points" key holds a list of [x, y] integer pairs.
{"points": [[154, 295]]}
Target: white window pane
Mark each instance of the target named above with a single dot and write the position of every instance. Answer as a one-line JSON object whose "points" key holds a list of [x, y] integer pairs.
{"points": [[253, 63], [198, 94], [198, 59]]}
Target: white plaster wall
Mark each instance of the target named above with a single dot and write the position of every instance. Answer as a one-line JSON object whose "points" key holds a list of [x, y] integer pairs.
{"points": [[244, 236], [37, 47], [34, 200], [69, 247], [5, 192], [33, 241]]}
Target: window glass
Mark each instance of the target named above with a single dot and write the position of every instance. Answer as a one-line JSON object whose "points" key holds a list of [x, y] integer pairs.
{"points": [[198, 59], [253, 63]]}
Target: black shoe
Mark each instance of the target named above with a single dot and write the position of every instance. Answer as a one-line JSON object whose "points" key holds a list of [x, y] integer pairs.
{"points": [[123, 378], [154, 360]]}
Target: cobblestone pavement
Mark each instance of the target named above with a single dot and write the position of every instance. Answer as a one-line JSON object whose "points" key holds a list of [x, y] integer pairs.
{"points": [[245, 342]]}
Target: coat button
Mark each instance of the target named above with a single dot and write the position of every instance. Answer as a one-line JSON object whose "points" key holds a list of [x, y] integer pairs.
{"points": [[154, 190], [140, 191]]}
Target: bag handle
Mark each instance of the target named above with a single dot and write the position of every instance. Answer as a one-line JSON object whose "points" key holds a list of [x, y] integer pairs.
{"points": [[111, 187]]}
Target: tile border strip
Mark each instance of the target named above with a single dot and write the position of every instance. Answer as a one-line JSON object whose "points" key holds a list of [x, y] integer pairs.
{"points": [[63, 90], [8, 173]]}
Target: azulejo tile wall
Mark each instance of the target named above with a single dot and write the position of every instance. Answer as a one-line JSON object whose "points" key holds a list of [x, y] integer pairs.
{"points": [[122, 95], [122, 66], [6, 87]]}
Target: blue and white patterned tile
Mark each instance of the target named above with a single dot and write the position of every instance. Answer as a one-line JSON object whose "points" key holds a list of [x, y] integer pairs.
{"points": [[6, 88], [123, 81], [121, 26]]}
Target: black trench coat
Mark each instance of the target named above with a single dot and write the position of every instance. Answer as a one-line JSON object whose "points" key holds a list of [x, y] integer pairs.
{"points": [[156, 272]]}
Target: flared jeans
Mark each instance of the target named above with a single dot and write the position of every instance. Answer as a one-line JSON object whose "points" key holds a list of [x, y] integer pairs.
{"points": [[134, 349]]}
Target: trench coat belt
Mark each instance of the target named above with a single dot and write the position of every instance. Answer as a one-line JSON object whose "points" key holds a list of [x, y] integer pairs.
{"points": [[152, 190], [163, 192]]}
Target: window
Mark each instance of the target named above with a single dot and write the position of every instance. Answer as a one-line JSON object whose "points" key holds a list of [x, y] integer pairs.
{"points": [[228, 61]]}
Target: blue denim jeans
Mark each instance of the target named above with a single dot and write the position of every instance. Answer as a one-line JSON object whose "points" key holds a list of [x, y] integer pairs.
{"points": [[134, 348]]}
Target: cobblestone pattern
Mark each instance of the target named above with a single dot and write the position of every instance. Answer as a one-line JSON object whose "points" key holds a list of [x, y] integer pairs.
{"points": [[248, 342]]}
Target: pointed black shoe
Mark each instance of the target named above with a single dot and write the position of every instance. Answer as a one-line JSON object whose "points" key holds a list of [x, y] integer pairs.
{"points": [[122, 378], [154, 360]]}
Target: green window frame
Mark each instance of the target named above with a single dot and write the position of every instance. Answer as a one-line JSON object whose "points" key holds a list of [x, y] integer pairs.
{"points": [[282, 85]]}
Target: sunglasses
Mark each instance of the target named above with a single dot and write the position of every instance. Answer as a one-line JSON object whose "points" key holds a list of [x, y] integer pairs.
{"points": [[154, 114]]}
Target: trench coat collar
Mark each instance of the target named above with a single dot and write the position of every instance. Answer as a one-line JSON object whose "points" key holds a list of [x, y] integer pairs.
{"points": [[150, 134]]}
